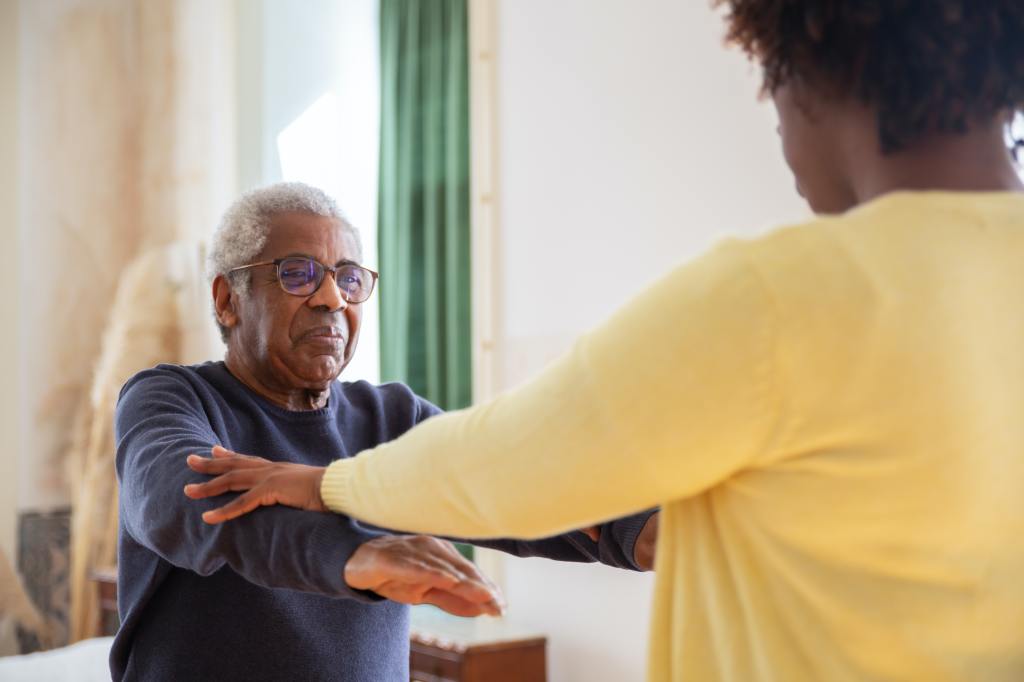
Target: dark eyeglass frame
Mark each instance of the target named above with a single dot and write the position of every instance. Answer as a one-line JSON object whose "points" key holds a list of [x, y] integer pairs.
{"points": [[324, 269]]}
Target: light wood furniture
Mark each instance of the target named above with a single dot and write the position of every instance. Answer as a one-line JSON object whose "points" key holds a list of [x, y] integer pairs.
{"points": [[106, 585]]}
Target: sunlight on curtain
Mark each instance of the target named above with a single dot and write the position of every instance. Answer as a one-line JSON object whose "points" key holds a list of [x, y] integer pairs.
{"points": [[126, 139]]}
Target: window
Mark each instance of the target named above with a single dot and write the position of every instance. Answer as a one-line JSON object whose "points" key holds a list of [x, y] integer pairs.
{"points": [[309, 111]]}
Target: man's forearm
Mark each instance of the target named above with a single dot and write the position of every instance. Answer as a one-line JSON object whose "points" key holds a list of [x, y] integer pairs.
{"points": [[277, 547], [615, 547]]}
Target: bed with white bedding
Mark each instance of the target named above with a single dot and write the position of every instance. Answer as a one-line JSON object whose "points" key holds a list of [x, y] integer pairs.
{"points": [[85, 661]]}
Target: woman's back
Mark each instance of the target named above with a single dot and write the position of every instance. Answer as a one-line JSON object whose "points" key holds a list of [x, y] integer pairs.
{"points": [[876, 532]]}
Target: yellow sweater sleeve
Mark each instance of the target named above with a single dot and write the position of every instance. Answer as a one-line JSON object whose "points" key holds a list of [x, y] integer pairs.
{"points": [[669, 397]]}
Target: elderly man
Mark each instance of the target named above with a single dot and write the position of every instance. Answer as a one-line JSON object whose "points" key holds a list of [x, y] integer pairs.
{"points": [[282, 594]]}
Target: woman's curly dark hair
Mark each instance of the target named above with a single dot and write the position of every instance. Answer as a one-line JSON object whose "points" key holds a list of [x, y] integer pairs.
{"points": [[924, 65]]}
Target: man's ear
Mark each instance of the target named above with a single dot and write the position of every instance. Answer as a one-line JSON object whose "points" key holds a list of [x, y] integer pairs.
{"points": [[224, 302]]}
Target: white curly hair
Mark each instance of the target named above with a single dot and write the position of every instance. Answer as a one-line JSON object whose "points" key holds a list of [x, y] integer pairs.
{"points": [[243, 230]]}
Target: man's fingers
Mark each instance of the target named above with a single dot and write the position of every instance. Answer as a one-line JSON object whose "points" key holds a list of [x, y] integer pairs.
{"points": [[416, 594], [406, 568], [463, 567], [421, 575], [457, 606], [469, 572], [233, 481], [472, 586], [243, 504], [478, 592], [468, 583]]}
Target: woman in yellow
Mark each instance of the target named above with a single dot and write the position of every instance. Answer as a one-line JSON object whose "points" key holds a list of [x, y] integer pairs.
{"points": [[831, 416]]}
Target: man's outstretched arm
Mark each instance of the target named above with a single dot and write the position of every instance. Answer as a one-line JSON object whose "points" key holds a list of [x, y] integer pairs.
{"points": [[627, 543], [160, 421]]}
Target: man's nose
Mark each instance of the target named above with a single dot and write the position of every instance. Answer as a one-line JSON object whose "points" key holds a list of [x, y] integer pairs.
{"points": [[328, 296]]}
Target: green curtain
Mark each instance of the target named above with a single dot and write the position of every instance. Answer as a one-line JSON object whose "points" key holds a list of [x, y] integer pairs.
{"points": [[423, 226]]}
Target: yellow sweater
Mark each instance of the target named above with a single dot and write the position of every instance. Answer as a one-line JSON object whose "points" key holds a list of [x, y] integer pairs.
{"points": [[832, 418]]}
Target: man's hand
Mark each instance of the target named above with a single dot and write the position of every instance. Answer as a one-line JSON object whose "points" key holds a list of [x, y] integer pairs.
{"points": [[267, 483], [646, 543], [418, 569]]}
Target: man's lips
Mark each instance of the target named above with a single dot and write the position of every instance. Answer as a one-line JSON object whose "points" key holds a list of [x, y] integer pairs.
{"points": [[332, 336]]}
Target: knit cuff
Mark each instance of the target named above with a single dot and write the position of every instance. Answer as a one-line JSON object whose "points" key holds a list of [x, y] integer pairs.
{"points": [[335, 485], [331, 551], [624, 534]]}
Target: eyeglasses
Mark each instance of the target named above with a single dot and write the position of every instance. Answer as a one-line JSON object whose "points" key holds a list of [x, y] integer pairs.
{"points": [[302, 276]]}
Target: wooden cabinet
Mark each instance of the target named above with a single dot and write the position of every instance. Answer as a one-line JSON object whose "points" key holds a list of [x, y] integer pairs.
{"points": [[444, 648], [500, 662]]}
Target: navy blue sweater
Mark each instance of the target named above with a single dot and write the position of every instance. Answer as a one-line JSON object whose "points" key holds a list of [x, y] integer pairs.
{"points": [[263, 597]]}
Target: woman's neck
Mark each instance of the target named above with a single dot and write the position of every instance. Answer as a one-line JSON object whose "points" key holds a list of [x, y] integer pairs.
{"points": [[977, 161]]}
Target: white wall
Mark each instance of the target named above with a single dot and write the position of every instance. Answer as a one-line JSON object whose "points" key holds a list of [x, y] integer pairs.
{"points": [[630, 139], [309, 82], [10, 402]]}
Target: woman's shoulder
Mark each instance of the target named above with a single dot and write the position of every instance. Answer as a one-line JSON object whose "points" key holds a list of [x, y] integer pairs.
{"points": [[825, 248]]}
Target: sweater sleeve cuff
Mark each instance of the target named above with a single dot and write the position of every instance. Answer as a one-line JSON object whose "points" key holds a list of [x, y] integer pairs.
{"points": [[333, 552], [334, 487], [626, 531]]}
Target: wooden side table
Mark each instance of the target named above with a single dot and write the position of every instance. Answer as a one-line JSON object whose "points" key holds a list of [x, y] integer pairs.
{"points": [[444, 648]]}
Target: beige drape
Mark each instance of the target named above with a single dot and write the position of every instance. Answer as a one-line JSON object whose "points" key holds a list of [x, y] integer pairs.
{"points": [[127, 145], [160, 314]]}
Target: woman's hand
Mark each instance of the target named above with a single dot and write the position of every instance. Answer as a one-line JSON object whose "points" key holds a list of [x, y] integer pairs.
{"points": [[267, 483], [411, 569]]}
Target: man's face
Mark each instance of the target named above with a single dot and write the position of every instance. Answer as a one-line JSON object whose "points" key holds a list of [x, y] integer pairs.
{"points": [[297, 342]]}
